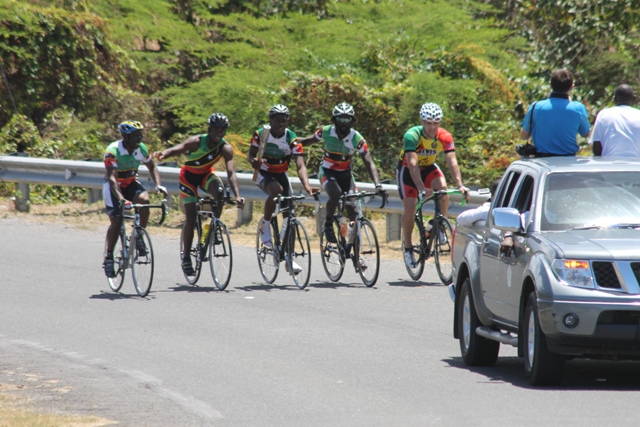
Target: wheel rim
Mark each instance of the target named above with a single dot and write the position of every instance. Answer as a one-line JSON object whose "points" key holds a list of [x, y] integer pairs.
{"points": [[300, 253], [442, 251], [142, 264], [416, 240], [221, 256], [466, 321], [115, 283], [332, 255], [268, 258], [531, 337], [368, 254], [195, 256]]}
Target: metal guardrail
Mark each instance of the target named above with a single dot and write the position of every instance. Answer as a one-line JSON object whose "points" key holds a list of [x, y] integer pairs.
{"points": [[90, 174]]}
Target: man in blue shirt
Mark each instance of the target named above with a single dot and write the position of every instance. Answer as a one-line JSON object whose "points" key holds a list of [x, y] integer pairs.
{"points": [[556, 120]]}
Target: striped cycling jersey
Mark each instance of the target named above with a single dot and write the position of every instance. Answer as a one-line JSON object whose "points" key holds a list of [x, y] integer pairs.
{"points": [[117, 157], [427, 149], [337, 152], [202, 160], [277, 151]]}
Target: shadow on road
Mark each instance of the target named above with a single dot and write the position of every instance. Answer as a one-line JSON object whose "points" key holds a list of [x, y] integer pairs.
{"points": [[415, 284], [339, 285], [579, 374], [195, 288], [113, 296]]}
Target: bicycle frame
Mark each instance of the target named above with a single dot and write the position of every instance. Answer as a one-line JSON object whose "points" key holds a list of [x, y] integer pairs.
{"points": [[426, 245], [355, 199], [290, 221]]}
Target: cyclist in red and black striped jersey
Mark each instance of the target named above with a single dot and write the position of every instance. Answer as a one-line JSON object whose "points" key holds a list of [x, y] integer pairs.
{"points": [[281, 147], [341, 142], [198, 173], [418, 175]]}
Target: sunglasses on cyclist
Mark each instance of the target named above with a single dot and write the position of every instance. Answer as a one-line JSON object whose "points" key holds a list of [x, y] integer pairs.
{"points": [[344, 120]]}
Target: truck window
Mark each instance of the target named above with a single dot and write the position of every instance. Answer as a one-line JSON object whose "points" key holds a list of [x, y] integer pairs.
{"points": [[525, 195], [504, 196]]}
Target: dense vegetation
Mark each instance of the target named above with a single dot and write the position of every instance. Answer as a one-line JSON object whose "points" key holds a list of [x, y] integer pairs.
{"points": [[76, 68]]}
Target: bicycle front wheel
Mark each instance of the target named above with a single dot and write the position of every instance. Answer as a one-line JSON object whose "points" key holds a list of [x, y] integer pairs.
{"points": [[367, 253], [141, 261], [119, 264], [268, 257], [418, 241], [220, 256], [194, 253], [443, 250], [332, 254], [298, 255]]}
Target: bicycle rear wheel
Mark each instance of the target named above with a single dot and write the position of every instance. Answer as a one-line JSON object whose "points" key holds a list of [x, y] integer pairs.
{"points": [[220, 256], [367, 253], [141, 261], [418, 241], [443, 243], [268, 257], [196, 260], [332, 254], [119, 264], [297, 255]]}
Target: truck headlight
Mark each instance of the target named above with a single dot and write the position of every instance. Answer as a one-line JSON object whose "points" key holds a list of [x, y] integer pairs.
{"points": [[574, 272]]}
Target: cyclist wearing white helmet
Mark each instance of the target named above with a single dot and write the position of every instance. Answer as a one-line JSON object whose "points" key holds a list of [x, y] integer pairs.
{"points": [[281, 147], [122, 159], [417, 173], [198, 173], [341, 142]]}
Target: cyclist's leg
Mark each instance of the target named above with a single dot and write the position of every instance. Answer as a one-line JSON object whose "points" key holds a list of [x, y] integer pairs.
{"points": [[409, 197], [139, 195], [188, 195], [213, 185], [436, 181], [113, 232]]}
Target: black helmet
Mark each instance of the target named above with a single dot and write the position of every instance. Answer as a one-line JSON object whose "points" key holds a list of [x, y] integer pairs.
{"points": [[218, 120], [278, 109], [344, 109]]}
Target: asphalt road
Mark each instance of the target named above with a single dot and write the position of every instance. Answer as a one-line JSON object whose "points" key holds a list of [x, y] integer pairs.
{"points": [[262, 355]]}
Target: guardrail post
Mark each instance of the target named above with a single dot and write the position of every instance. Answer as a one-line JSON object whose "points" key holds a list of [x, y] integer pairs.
{"points": [[393, 226], [320, 215], [21, 199], [245, 214], [94, 195]]}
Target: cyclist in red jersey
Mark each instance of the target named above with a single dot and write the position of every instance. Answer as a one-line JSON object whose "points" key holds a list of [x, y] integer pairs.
{"points": [[417, 173], [197, 172]]}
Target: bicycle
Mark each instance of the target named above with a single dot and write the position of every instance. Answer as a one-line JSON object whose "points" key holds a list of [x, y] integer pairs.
{"points": [[437, 242], [290, 244], [361, 238], [211, 242], [127, 253]]}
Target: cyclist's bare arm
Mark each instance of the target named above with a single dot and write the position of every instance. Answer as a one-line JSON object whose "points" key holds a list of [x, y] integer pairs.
{"points": [[112, 179], [371, 167], [303, 175], [307, 140], [190, 144], [454, 169], [227, 154]]}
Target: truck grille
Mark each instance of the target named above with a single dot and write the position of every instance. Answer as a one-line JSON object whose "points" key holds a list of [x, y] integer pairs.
{"points": [[606, 276]]}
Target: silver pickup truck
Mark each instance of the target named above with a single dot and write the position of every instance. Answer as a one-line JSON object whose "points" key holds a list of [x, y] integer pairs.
{"points": [[570, 286]]}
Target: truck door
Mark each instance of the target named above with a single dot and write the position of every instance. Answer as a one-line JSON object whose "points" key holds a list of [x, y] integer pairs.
{"points": [[492, 283], [512, 266]]}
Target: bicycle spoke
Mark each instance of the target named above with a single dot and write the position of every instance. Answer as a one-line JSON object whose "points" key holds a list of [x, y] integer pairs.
{"points": [[332, 254], [298, 255], [367, 253], [268, 258], [417, 240], [220, 256], [141, 261], [442, 251]]}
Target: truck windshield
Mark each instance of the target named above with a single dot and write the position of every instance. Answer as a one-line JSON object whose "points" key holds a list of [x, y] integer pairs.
{"points": [[592, 199]]}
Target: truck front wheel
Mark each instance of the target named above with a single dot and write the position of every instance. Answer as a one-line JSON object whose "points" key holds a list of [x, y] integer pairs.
{"points": [[542, 367], [476, 350]]}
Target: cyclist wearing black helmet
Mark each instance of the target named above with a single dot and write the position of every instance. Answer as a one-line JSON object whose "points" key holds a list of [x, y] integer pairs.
{"points": [[281, 146], [197, 172], [418, 175], [122, 159], [341, 142]]}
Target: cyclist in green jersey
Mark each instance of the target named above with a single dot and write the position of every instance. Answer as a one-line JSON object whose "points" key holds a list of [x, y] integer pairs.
{"points": [[341, 142], [121, 160], [417, 173], [281, 147], [198, 173]]}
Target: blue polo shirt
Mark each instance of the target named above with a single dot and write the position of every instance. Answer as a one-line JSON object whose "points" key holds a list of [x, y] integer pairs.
{"points": [[556, 122]]}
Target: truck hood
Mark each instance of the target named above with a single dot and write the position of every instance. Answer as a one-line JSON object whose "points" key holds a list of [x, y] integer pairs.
{"points": [[604, 244]]}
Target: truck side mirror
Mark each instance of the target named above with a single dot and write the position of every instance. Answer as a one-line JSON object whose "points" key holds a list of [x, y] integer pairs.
{"points": [[507, 219]]}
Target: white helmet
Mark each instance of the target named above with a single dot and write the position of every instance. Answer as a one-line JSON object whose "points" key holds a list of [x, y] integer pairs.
{"points": [[343, 109], [431, 112]]}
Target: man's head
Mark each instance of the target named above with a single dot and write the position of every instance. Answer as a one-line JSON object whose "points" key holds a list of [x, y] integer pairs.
{"points": [[278, 119], [431, 116], [561, 80], [343, 116], [218, 124], [132, 133], [624, 95]]}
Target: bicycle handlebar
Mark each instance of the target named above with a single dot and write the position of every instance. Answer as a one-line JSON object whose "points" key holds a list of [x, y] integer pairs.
{"points": [[163, 205], [280, 198], [362, 195]]}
